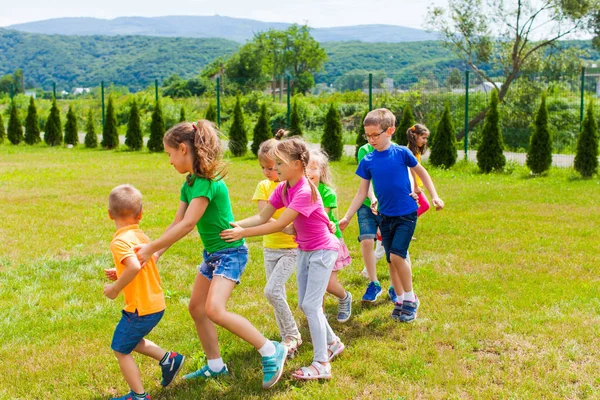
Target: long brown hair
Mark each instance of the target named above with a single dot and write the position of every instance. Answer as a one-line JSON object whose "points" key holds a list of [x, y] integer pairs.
{"points": [[202, 138], [411, 135], [294, 149]]}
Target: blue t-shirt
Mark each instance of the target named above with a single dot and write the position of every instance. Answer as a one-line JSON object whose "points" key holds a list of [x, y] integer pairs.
{"points": [[389, 173]]}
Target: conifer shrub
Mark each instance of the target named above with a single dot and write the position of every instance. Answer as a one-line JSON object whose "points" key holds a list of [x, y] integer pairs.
{"points": [[133, 137], [539, 154], [110, 135], [443, 151], [157, 130], [262, 130], [71, 131], [32, 124], [490, 156], [332, 140], [91, 139], [407, 120], [15, 129], [53, 129], [586, 157], [238, 138]]}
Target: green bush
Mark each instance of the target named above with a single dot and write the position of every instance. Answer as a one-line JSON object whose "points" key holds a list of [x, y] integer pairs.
{"points": [[238, 138], [406, 122], [110, 136], [182, 114], [71, 131], [443, 150], [211, 113], [133, 138], [262, 131], [15, 130], [586, 158], [295, 121], [490, 154], [91, 139], [157, 129], [360, 131], [332, 141], [2, 131], [53, 128], [32, 124], [539, 154]]}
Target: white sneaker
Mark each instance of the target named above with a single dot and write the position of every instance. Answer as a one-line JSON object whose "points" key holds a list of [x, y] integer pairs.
{"points": [[364, 273], [379, 250]]}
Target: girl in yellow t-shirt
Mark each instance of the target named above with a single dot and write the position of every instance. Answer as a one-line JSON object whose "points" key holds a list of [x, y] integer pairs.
{"points": [[417, 136]]}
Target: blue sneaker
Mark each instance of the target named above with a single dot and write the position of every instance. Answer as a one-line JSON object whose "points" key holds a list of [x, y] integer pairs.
{"points": [[392, 294], [172, 368], [273, 366], [206, 373], [407, 311], [131, 396], [372, 293]]}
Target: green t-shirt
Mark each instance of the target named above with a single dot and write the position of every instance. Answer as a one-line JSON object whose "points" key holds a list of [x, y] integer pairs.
{"points": [[330, 201], [218, 213], [362, 152]]}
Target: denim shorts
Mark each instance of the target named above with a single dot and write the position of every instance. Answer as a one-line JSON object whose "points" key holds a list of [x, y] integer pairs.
{"points": [[228, 263], [367, 223], [131, 329], [396, 234]]}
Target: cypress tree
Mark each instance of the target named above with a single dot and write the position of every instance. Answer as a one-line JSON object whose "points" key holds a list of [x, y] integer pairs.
{"points": [[15, 130], [408, 120], [53, 129], [262, 130], [133, 138], [2, 131], [490, 154], [586, 158], [71, 131], [443, 151], [539, 154], [238, 139], [295, 121], [182, 114], [157, 130], [360, 139], [91, 139], [211, 113], [110, 136], [32, 124], [332, 141]]}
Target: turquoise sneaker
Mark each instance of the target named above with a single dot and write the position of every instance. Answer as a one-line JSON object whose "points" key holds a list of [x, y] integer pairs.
{"points": [[130, 396], [273, 366], [206, 373]]}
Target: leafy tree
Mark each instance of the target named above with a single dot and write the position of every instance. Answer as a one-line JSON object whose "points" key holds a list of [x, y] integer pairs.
{"points": [[182, 114], [586, 158], [133, 138], [71, 131], [262, 130], [539, 154], [490, 154], [32, 124], [110, 135], [211, 113], [53, 135], [15, 130], [332, 141], [18, 81], [91, 139], [443, 150], [2, 131], [238, 139], [360, 131], [247, 69], [454, 79], [157, 130], [408, 120], [295, 120]]}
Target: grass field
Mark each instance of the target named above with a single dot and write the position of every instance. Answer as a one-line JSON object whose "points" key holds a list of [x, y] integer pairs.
{"points": [[507, 275]]}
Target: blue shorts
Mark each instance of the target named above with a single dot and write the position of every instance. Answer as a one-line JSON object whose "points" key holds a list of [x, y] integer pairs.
{"points": [[367, 223], [396, 234], [131, 329], [228, 263]]}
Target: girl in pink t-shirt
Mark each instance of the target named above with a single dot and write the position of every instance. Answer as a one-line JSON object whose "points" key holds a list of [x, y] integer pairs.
{"points": [[317, 247]]}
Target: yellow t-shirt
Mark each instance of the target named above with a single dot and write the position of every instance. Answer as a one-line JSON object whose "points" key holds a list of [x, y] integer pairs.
{"points": [[276, 240], [144, 292], [419, 181]]}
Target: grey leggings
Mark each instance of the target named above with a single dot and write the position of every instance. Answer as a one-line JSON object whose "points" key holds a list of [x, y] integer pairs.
{"points": [[279, 266]]}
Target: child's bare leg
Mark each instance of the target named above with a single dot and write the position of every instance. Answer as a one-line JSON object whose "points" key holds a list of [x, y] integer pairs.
{"points": [[150, 349], [396, 281], [404, 271], [204, 326], [130, 372], [368, 253], [334, 286]]}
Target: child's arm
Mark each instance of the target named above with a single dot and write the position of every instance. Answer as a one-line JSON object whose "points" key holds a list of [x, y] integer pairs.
{"points": [[262, 217], [428, 183], [132, 267], [360, 197], [416, 187], [249, 226]]}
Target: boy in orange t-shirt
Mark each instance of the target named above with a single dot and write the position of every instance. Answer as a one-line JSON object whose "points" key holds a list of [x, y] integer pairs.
{"points": [[144, 298]]}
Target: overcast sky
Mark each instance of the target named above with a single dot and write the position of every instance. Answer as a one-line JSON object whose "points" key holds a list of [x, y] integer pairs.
{"points": [[317, 13]]}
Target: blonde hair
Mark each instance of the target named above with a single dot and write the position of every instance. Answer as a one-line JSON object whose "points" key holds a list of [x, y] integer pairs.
{"points": [[125, 201], [265, 149], [381, 117], [411, 135], [290, 150], [203, 140], [322, 160]]}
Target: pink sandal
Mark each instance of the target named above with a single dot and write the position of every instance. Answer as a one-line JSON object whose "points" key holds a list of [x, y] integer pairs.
{"points": [[335, 349], [316, 370]]}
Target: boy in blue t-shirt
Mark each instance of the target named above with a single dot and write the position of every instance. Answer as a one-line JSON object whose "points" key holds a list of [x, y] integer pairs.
{"points": [[387, 168]]}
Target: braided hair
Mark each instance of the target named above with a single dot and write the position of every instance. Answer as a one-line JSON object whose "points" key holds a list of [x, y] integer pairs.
{"points": [[295, 149]]}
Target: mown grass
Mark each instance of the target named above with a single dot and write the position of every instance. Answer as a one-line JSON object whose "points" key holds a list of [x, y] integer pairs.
{"points": [[507, 275]]}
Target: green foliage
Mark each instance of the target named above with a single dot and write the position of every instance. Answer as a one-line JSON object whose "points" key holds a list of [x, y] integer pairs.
{"points": [[443, 150], [15, 130], [262, 130], [157, 129], [2, 131], [539, 154], [406, 122], [238, 139], [32, 124], [53, 129], [71, 131], [586, 158], [110, 135], [182, 114], [211, 113], [490, 154], [133, 138], [360, 131], [177, 87], [91, 139], [332, 141], [295, 121]]}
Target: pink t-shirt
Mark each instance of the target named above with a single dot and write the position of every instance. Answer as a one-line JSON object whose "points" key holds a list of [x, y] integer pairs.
{"points": [[312, 224]]}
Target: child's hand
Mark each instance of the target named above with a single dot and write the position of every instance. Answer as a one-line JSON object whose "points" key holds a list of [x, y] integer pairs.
{"points": [[111, 273], [110, 292], [332, 227], [438, 203], [374, 204], [289, 230], [231, 235], [414, 195], [143, 253], [343, 223]]}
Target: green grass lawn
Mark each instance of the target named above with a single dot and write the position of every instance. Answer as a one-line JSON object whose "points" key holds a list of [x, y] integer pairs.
{"points": [[507, 275]]}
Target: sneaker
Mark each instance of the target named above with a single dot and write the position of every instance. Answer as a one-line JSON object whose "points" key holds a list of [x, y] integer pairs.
{"points": [[206, 373], [364, 273], [131, 396], [170, 370], [405, 312], [372, 293], [345, 308], [379, 251], [273, 366], [392, 294]]}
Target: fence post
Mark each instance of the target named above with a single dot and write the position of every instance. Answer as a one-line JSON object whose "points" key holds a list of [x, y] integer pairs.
{"points": [[582, 98], [370, 91], [466, 114], [218, 101], [156, 90], [289, 110], [102, 91]]}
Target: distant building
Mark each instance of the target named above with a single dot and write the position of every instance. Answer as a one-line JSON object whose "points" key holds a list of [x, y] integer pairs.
{"points": [[80, 90], [388, 84], [30, 94]]}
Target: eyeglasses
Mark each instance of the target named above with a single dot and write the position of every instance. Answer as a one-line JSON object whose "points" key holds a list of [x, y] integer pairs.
{"points": [[369, 137]]}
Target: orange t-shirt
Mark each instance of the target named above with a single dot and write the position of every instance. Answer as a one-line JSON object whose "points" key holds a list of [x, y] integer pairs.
{"points": [[144, 292]]}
